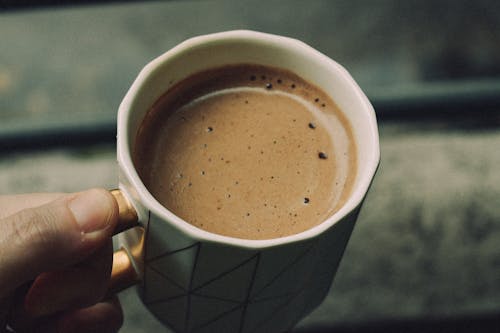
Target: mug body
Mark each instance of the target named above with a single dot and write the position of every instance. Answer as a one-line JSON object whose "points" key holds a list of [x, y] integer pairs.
{"points": [[197, 281]]}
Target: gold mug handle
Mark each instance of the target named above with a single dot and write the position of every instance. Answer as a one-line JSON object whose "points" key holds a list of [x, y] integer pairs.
{"points": [[123, 273]]}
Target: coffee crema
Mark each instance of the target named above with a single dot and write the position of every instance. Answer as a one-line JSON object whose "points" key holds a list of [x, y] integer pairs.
{"points": [[247, 151]]}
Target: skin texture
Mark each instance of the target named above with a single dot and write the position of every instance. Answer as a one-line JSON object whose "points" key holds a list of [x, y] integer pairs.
{"points": [[55, 262]]}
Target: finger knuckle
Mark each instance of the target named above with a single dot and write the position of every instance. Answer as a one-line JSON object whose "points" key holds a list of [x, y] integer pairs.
{"points": [[31, 227]]}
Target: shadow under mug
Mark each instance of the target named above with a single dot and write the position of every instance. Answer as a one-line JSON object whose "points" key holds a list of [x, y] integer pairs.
{"points": [[196, 281]]}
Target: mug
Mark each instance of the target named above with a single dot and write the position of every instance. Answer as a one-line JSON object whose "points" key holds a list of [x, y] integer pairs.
{"points": [[196, 281]]}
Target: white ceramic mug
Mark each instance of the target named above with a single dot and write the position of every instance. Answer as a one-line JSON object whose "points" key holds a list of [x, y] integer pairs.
{"points": [[196, 281]]}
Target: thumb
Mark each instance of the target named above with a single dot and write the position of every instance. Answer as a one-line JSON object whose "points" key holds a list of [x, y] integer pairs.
{"points": [[54, 235]]}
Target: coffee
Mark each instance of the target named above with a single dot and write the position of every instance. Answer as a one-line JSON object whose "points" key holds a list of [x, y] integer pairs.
{"points": [[247, 151]]}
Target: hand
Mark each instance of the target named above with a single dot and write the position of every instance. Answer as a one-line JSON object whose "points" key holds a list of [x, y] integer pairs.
{"points": [[55, 262]]}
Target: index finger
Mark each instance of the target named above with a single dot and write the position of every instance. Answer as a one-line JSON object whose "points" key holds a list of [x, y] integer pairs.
{"points": [[11, 204]]}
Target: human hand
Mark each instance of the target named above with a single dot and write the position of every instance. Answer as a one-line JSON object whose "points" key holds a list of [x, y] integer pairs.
{"points": [[55, 261]]}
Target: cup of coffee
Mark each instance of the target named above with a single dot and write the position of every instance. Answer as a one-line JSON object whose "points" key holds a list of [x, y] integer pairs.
{"points": [[245, 157]]}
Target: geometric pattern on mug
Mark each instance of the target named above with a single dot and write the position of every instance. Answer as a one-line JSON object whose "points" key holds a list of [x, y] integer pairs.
{"points": [[177, 303], [200, 300], [231, 296]]}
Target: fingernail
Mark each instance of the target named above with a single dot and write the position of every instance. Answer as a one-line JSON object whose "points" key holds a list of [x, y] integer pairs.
{"points": [[92, 210]]}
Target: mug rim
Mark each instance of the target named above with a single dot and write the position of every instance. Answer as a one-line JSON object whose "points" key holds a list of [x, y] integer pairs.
{"points": [[147, 199]]}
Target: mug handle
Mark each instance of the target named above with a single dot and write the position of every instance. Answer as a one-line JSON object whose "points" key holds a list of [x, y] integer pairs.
{"points": [[123, 273]]}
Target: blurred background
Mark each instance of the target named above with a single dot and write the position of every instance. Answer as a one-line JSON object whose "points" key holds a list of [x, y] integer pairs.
{"points": [[425, 253]]}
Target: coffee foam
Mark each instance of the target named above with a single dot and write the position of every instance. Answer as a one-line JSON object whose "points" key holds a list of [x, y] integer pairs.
{"points": [[264, 176], [331, 122]]}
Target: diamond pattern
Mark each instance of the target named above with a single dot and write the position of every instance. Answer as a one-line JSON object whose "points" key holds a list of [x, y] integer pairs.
{"points": [[289, 279], [232, 284], [207, 287], [277, 261], [159, 287], [176, 265], [171, 312], [210, 269], [207, 310], [226, 323]]}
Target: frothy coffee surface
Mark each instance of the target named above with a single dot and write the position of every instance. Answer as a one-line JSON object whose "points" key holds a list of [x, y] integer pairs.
{"points": [[247, 151]]}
